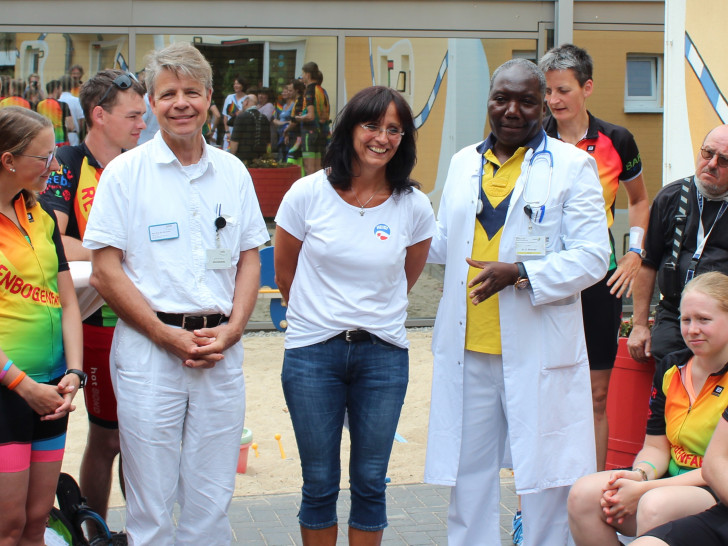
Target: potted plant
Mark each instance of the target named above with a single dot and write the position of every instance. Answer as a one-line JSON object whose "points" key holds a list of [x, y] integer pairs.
{"points": [[271, 180], [627, 403]]}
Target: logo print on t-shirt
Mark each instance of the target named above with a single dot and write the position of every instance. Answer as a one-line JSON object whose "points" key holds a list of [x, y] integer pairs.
{"points": [[590, 148], [717, 391], [382, 232]]}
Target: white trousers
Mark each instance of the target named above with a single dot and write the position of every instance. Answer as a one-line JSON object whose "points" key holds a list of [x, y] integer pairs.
{"points": [[474, 514], [180, 432]]}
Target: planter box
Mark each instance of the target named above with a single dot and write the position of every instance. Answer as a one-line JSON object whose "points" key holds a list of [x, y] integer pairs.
{"points": [[627, 406], [271, 185]]}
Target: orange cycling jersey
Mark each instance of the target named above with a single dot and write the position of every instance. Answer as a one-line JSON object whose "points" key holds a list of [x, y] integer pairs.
{"points": [[30, 309], [688, 426]]}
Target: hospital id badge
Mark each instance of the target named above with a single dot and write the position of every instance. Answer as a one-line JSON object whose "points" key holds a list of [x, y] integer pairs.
{"points": [[218, 258], [163, 232], [530, 246]]}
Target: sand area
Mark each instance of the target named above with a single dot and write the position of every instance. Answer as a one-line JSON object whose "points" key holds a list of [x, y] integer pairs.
{"points": [[266, 415]]}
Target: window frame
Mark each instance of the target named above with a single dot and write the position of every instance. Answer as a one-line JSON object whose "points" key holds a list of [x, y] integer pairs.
{"points": [[645, 103]]}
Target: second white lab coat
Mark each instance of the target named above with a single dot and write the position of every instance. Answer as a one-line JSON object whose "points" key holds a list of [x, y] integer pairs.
{"points": [[545, 365]]}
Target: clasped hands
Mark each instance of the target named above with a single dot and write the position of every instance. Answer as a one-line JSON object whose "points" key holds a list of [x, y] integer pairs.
{"points": [[621, 495], [202, 348], [51, 402]]}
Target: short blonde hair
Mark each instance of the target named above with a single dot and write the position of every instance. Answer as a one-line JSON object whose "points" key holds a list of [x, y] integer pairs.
{"points": [[713, 284], [180, 58]]}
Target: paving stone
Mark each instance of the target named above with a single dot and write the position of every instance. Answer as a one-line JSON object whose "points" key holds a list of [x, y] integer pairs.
{"points": [[417, 514]]}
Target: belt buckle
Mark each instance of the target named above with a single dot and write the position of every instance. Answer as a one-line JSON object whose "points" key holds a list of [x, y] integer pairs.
{"points": [[195, 317], [348, 336]]}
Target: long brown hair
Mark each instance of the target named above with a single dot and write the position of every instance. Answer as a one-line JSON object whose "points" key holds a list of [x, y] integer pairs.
{"points": [[18, 128]]}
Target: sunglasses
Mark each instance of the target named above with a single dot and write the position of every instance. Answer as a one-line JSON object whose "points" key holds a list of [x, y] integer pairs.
{"points": [[708, 155], [48, 159], [123, 82]]}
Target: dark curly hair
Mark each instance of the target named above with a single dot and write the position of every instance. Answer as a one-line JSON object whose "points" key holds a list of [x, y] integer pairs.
{"points": [[370, 105]]}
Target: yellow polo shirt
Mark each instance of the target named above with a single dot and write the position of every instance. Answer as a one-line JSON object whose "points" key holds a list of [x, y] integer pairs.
{"points": [[482, 331]]}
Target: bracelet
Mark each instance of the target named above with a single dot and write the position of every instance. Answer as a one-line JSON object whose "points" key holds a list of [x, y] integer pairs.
{"points": [[16, 381], [642, 473], [5, 369], [654, 469]]}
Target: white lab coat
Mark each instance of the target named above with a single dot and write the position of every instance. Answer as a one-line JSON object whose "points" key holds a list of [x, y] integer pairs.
{"points": [[545, 365]]}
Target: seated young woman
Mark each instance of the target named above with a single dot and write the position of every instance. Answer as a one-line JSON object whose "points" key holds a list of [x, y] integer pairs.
{"points": [[709, 528], [688, 397]]}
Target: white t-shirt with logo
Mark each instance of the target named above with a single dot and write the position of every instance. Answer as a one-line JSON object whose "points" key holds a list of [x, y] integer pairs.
{"points": [[350, 271]]}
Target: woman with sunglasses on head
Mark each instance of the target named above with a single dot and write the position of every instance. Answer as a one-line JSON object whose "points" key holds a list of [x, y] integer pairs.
{"points": [[688, 397], [351, 240], [40, 331]]}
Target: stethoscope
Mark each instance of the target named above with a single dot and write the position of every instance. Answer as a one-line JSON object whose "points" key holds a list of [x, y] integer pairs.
{"points": [[534, 209]]}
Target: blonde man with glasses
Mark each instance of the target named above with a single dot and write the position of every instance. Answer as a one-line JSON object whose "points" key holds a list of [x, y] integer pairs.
{"points": [[704, 246]]}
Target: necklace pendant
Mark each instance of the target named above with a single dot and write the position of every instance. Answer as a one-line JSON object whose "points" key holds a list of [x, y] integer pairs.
{"points": [[361, 212]]}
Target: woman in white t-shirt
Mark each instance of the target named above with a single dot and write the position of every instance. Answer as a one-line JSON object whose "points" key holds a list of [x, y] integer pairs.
{"points": [[351, 241], [232, 105]]}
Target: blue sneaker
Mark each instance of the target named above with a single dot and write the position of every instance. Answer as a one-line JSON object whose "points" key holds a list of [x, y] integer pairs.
{"points": [[517, 532]]}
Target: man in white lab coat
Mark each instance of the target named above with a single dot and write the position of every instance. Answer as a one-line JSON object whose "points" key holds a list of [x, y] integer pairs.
{"points": [[521, 231]]}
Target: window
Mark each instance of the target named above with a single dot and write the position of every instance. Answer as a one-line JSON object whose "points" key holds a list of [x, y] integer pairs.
{"points": [[32, 58], [643, 84], [528, 54], [104, 54]]}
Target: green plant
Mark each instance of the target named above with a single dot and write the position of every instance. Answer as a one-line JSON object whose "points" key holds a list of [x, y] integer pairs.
{"points": [[267, 161], [625, 327]]}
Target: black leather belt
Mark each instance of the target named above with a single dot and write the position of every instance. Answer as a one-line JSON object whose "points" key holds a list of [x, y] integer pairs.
{"points": [[352, 336], [192, 322]]}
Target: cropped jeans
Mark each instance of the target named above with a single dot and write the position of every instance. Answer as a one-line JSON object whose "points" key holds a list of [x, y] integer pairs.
{"points": [[322, 383]]}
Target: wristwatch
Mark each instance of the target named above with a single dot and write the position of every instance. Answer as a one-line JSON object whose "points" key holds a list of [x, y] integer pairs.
{"points": [[81, 375], [522, 281], [640, 251]]}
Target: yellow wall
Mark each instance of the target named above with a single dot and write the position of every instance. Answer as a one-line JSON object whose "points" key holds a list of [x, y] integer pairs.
{"points": [[709, 40], [322, 51], [55, 61], [609, 51], [144, 44], [428, 54], [499, 51], [701, 113]]}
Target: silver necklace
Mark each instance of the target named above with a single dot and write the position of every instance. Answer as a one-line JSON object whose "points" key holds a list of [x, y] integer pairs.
{"points": [[361, 212]]}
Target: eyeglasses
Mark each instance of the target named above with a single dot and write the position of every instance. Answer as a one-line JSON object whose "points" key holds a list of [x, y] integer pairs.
{"points": [[48, 158], [123, 82], [708, 155], [392, 132]]}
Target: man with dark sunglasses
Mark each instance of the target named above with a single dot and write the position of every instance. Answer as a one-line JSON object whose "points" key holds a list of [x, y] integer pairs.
{"points": [[113, 105], [670, 259]]}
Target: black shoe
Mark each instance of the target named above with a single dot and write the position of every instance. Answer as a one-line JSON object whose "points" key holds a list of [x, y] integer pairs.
{"points": [[119, 539]]}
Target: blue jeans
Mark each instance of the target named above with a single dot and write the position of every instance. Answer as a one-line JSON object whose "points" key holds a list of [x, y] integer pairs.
{"points": [[322, 382]]}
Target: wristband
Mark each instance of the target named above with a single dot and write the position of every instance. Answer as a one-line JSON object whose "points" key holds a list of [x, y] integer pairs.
{"points": [[636, 234], [642, 473], [5, 369], [16, 381], [654, 469]]}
